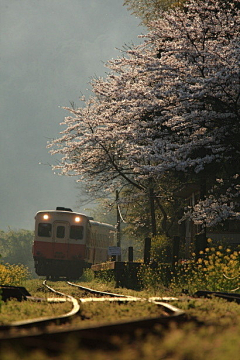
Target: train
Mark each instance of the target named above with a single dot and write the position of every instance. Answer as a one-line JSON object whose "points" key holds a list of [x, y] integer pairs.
{"points": [[67, 242]]}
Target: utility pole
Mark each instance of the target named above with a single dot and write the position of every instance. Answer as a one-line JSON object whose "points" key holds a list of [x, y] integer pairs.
{"points": [[118, 224], [152, 210]]}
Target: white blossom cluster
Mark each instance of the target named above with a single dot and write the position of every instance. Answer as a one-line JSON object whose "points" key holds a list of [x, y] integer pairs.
{"points": [[167, 106], [216, 209]]}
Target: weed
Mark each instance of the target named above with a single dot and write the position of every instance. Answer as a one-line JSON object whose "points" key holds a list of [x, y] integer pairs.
{"points": [[216, 269], [13, 274]]}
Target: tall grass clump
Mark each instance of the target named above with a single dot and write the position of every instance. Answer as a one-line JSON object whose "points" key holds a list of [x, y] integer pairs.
{"points": [[13, 274], [157, 275], [155, 279]]}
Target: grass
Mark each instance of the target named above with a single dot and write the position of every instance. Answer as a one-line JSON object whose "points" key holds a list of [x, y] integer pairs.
{"points": [[92, 313], [216, 339], [13, 310]]}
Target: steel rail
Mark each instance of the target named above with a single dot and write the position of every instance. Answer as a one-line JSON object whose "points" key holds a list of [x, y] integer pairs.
{"points": [[42, 321], [98, 292], [224, 295], [53, 340], [111, 299], [161, 301]]}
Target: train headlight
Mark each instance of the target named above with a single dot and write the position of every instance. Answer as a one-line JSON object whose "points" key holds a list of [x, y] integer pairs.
{"points": [[45, 216], [77, 219]]}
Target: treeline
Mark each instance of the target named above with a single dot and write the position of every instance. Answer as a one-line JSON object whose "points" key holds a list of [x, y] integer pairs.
{"points": [[16, 248]]}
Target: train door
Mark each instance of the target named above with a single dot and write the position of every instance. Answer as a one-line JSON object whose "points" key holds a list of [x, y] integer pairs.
{"points": [[60, 239]]}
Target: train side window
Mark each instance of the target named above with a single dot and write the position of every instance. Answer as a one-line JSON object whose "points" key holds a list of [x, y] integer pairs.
{"points": [[60, 232], [44, 229], [76, 232]]}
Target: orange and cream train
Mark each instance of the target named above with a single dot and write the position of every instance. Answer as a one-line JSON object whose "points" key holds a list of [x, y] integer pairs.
{"points": [[66, 242]]}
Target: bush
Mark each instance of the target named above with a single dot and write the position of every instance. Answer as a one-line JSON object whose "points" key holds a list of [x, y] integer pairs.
{"points": [[217, 269], [16, 247], [13, 274], [155, 279], [161, 249]]}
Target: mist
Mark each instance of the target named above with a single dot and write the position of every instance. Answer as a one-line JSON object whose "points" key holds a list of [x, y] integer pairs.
{"points": [[50, 50]]}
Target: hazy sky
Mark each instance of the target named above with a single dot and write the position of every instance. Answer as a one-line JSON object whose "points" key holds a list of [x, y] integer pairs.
{"points": [[50, 50]]}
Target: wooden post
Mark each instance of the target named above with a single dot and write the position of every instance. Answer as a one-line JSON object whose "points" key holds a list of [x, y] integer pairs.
{"points": [[130, 254], [147, 249], [200, 244]]}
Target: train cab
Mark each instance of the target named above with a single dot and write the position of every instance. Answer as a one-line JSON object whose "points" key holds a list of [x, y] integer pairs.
{"points": [[66, 242]]}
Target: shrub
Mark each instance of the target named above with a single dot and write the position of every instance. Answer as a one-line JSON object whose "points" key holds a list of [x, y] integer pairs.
{"points": [[155, 279], [13, 274], [217, 269], [161, 249], [16, 247]]}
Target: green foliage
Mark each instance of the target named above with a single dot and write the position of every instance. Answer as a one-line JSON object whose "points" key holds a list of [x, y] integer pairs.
{"points": [[161, 249], [87, 276], [135, 207], [105, 276], [136, 214], [16, 247], [218, 269], [155, 280], [105, 211], [13, 274]]}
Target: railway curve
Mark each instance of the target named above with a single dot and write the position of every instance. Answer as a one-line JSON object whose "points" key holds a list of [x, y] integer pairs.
{"points": [[52, 339]]}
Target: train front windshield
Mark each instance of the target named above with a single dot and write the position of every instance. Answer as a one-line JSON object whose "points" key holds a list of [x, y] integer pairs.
{"points": [[76, 232], [44, 230]]}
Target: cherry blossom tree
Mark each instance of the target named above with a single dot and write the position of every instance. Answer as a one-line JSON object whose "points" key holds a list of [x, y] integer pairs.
{"points": [[148, 10], [168, 111]]}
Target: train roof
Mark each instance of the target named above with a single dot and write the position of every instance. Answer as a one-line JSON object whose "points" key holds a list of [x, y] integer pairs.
{"points": [[65, 211], [98, 223], [69, 211]]}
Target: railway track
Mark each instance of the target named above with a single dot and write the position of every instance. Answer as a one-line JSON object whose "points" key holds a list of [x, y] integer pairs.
{"points": [[223, 295], [39, 332]]}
